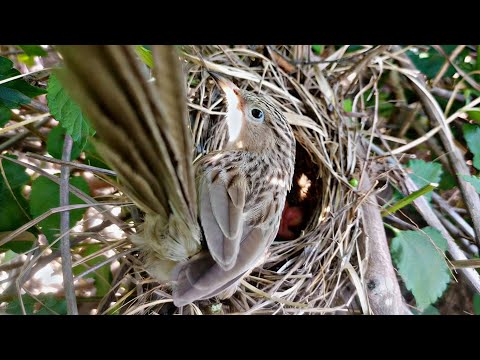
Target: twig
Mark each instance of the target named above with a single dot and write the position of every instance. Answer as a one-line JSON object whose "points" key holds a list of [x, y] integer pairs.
{"points": [[467, 246], [68, 284], [8, 143], [447, 94], [383, 291], [72, 164], [456, 217], [448, 62]]}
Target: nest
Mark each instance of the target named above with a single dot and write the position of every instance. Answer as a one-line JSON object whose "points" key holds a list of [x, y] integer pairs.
{"points": [[317, 270], [334, 259]]}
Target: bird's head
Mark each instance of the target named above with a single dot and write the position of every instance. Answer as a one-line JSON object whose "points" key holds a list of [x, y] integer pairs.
{"points": [[254, 123]]}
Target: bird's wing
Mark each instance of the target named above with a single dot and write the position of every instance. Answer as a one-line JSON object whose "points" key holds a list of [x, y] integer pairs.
{"points": [[222, 218], [202, 277], [141, 125]]}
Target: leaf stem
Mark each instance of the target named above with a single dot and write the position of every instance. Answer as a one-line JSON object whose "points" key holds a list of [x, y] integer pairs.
{"points": [[410, 198]]}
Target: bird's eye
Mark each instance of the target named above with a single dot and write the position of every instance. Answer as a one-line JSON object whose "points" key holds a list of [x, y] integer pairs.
{"points": [[257, 114]]}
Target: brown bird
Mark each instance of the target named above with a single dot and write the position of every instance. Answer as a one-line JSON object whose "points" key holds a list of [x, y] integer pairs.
{"points": [[207, 225]]}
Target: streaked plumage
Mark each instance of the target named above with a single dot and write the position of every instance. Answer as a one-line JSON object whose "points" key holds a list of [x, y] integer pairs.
{"points": [[232, 198]]}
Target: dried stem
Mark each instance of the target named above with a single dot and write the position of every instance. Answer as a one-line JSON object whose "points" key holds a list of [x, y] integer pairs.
{"points": [[64, 230]]}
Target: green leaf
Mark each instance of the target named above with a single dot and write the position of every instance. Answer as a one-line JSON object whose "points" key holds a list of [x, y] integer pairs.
{"points": [[33, 50], [47, 304], [102, 276], [12, 98], [448, 181], [67, 112], [9, 256], [45, 195], [474, 114], [14, 207], [5, 115], [348, 105], [431, 61], [472, 137], [424, 173], [474, 180], [318, 49], [476, 304], [421, 264], [92, 157], [145, 55], [17, 92], [55, 141], [431, 310]]}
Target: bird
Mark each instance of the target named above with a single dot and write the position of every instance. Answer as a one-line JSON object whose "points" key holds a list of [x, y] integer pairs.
{"points": [[208, 222]]}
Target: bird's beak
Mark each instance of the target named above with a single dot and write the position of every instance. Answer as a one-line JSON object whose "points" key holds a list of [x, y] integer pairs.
{"points": [[229, 88], [235, 106]]}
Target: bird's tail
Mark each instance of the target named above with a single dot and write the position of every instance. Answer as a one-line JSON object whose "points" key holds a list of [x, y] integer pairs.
{"points": [[143, 135]]}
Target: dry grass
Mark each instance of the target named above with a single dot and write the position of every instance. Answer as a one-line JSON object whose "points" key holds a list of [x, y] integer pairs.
{"points": [[323, 270]]}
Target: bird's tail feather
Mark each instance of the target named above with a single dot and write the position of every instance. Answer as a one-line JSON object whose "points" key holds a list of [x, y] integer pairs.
{"points": [[143, 134]]}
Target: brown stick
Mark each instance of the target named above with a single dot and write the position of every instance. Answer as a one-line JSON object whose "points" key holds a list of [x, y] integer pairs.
{"points": [[383, 291]]}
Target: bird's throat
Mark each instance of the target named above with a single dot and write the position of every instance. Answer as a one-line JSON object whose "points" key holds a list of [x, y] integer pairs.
{"points": [[234, 117]]}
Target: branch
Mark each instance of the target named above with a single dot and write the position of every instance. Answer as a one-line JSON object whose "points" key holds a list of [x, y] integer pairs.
{"points": [[383, 291], [65, 231]]}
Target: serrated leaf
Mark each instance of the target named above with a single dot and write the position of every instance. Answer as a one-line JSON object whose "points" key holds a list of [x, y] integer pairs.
{"points": [[476, 304], [20, 243], [421, 264], [47, 304], [145, 55], [5, 65], [55, 141], [17, 92], [14, 207], [67, 112], [12, 98], [45, 195], [33, 50], [431, 310], [431, 61], [93, 158], [474, 114], [475, 181], [318, 49], [14, 173], [348, 105], [472, 137], [424, 173], [448, 181], [102, 276], [5, 115], [25, 59], [8, 256]]}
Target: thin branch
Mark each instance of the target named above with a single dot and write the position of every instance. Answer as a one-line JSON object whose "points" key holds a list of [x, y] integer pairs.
{"points": [[72, 164], [20, 136], [67, 272]]}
